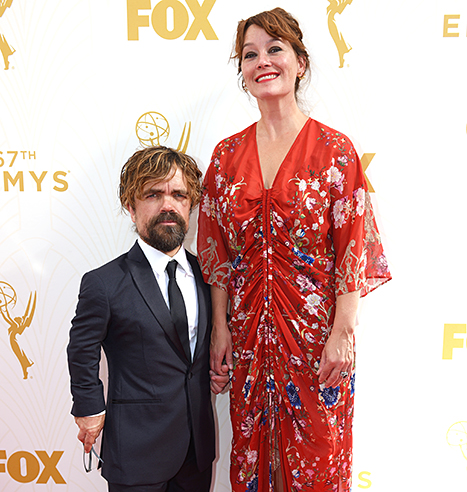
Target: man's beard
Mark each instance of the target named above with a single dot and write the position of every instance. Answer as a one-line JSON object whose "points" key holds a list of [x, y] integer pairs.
{"points": [[165, 238]]}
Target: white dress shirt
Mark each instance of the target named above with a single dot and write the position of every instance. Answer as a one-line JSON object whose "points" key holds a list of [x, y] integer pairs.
{"points": [[185, 280]]}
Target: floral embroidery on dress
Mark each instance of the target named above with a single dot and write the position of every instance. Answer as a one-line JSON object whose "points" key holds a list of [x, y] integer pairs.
{"points": [[283, 255]]}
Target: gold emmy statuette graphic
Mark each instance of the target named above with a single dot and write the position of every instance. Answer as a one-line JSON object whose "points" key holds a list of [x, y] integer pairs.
{"points": [[18, 324], [457, 436], [337, 7], [151, 127], [5, 48]]}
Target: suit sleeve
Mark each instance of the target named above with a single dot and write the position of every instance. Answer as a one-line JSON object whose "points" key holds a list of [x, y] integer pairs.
{"points": [[88, 330]]}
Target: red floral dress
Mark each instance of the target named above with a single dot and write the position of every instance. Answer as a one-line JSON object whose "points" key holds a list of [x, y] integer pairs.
{"points": [[284, 254]]}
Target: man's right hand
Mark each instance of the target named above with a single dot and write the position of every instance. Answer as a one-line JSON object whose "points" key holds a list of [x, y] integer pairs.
{"points": [[89, 429], [219, 381]]}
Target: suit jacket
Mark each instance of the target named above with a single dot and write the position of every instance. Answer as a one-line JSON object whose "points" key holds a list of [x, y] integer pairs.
{"points": [[155, 397]]}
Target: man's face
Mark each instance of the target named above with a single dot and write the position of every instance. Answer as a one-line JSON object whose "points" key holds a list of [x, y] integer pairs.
{"points": [[161, 215]]}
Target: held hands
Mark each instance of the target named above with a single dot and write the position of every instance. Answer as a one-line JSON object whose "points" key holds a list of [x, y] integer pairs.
{"points": [[221, 358], [221, 350], [89, 429], [219, 381], [221, 338]]}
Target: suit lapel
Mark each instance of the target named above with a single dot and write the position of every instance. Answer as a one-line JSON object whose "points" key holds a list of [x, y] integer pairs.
{"points": [[147, 285], [203, 302]]}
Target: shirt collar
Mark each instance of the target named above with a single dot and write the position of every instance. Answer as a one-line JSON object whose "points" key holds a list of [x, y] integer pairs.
{"points": [[158, 260]]}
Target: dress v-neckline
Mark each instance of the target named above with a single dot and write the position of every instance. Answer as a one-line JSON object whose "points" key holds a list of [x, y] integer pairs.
{"points": [[281, 165]]}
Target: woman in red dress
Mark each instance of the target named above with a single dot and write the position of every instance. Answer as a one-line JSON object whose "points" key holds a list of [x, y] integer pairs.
{"points": [[287, 235]]}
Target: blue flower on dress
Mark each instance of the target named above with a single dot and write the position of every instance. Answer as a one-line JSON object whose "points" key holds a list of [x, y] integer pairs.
{"points": [[352, 384], [252, 485], [292, 393], [307, 259], [330, 395], [237, 261], [247, 387]]}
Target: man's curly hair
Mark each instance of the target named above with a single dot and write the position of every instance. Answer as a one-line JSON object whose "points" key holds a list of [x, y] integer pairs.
{"points": [[157, 163]]}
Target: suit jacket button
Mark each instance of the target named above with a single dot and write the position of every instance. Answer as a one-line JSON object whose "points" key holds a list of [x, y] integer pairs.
{"points": [[189, 375]]}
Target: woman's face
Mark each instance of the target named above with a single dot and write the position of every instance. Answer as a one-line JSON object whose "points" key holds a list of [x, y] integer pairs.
{"points": [[270, 65]]}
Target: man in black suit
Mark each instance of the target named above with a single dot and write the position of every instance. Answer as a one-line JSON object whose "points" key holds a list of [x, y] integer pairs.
{"points": [[154, 326]]}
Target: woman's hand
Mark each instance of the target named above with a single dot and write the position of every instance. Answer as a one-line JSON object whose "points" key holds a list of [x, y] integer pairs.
{"points": [[221, 350], [337, 359], [221, 340]]}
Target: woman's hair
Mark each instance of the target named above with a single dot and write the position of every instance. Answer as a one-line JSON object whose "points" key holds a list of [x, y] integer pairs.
{"points": [[278, 24], [157, 163]]}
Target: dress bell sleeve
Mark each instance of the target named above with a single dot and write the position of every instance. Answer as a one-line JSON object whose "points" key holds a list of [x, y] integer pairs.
{"points": [[212, 247], [360, 263]]}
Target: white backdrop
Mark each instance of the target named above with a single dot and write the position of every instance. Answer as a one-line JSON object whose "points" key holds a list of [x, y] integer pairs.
{"points": [[72, 92]]}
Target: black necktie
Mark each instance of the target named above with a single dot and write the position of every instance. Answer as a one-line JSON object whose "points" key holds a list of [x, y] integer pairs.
{"points": [[177, 308]]}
